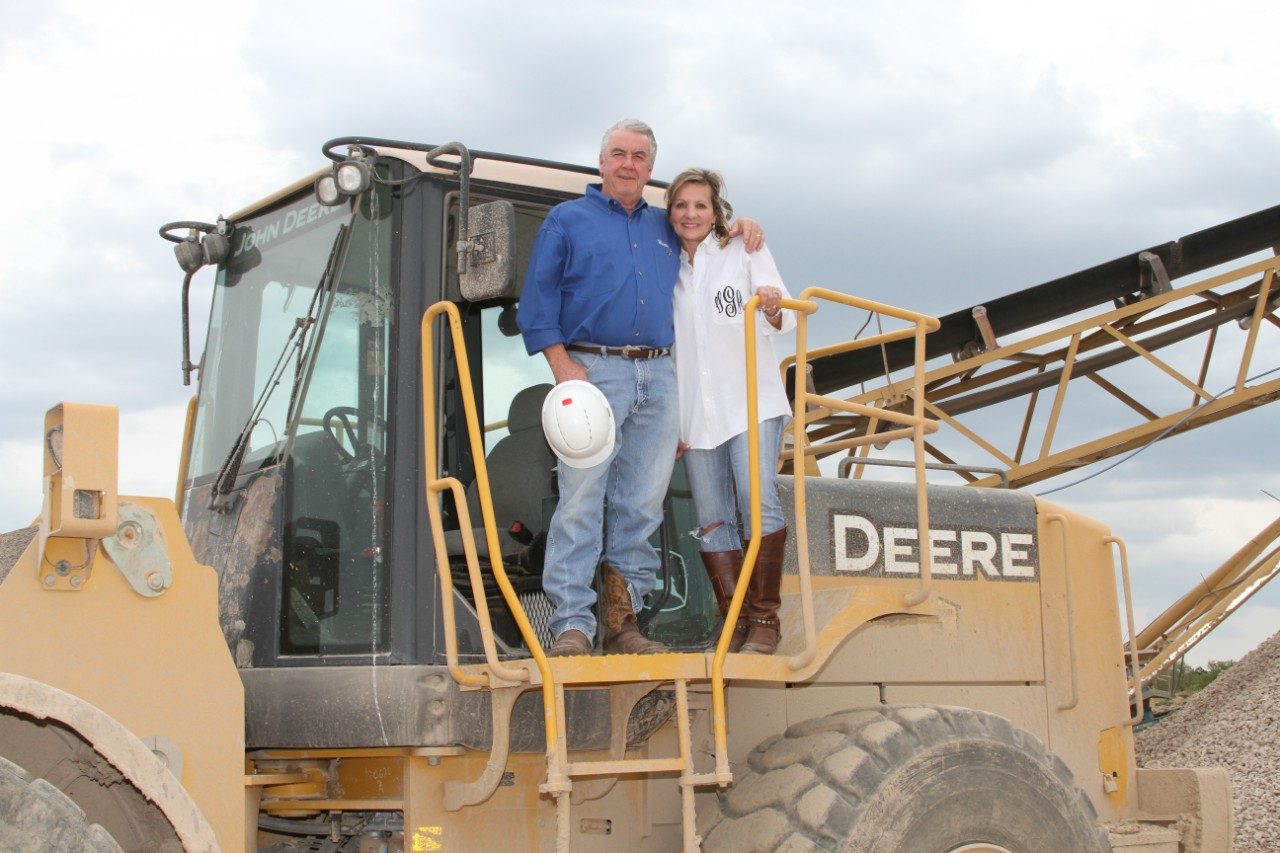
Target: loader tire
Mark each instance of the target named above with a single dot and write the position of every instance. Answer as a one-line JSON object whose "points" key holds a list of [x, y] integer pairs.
{"points": [[904, 780], [36, 817]]}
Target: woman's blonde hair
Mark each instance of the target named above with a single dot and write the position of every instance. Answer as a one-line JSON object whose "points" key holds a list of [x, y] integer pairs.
{"points": [[719, 204]]}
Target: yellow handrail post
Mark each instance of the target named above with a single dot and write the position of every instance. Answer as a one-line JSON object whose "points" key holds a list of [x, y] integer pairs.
{"points": [[922, 485], [799, 427], [437, 484], [723, 774], [916, 425]]}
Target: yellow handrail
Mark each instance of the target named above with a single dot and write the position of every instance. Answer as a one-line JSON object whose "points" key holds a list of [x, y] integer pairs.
{"points": [[724, 775], [918, 425], [437, 484], [1135, 672], [921, 325], [184, 459]]}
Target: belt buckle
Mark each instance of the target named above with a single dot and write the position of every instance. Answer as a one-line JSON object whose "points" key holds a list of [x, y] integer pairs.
{"points": [[630, 351]]}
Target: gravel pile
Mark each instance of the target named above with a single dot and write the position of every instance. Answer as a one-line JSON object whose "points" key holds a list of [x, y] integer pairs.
{"points": [[12, 545], [1232, 723]]}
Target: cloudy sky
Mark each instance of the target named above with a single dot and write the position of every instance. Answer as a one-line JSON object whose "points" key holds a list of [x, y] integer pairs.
{"points": [[930, 155]]}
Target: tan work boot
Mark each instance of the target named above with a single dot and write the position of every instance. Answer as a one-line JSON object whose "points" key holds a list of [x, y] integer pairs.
{"points": [[765, 597], [621, 634], [723, 568], [570, 643]]}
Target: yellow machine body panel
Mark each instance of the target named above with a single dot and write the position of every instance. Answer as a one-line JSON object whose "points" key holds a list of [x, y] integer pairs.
{"points": [[154, 660]]}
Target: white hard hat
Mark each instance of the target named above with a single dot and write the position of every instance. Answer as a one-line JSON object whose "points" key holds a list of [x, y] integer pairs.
{"points": [[578, 423]]}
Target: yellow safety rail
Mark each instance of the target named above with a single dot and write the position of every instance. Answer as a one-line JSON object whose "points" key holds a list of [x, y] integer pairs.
{"points": [[915, 425], [1135, 689], [184, 460], [435, 486]]}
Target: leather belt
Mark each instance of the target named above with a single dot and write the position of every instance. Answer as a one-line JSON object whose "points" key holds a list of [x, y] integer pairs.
{"points": [[625, 352]]}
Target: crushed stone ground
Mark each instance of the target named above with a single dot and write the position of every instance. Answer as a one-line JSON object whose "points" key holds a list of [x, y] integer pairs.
{"points": [[12, 544], [1233, 723]]}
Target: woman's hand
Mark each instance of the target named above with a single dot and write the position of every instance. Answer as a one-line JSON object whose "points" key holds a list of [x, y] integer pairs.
{"points": [[681, 447], [771, 304], [750, 231], [770, 299]]}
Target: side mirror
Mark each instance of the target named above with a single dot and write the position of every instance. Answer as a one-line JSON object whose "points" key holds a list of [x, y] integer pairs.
{"points": [[486, 262]]}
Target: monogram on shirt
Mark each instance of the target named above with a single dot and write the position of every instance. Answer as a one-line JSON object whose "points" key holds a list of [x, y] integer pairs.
{"points": [[728, 301]]}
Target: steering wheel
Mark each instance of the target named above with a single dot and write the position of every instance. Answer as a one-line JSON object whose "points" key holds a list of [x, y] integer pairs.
{"points": [[344, 422]]}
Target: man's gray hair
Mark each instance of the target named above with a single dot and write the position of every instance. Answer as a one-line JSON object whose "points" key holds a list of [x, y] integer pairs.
{"points": [[634, 125]]}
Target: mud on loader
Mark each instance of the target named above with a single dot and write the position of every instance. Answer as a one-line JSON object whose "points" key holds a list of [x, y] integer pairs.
{"points": [[334, 639]]}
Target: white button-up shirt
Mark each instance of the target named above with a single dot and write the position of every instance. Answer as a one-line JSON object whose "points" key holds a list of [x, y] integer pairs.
{"points": [[710, 349]]}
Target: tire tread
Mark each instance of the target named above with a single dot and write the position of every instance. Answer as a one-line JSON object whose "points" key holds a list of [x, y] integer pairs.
{"points": [[35, 816], [806, 789]]}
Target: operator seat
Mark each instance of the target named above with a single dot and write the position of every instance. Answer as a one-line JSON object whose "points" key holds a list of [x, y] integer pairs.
{"points": [[521, 478], [317, 533]]}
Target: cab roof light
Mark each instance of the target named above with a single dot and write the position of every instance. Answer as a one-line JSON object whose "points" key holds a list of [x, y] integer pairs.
{"points": [[349, 177]]}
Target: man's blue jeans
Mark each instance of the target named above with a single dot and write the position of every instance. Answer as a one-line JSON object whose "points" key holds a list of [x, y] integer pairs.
{"points": [[719, 480], [634, 479]]}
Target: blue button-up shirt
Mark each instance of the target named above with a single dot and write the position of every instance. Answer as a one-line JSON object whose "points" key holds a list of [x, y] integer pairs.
{"points": [[599, 275]]}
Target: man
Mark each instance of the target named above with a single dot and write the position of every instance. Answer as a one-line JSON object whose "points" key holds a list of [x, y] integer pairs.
{"points": [[597, 305]]}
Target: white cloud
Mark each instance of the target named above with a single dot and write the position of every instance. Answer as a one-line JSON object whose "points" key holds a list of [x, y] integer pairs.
{"points": [[132, 118], [22, 463], [150, 450]]}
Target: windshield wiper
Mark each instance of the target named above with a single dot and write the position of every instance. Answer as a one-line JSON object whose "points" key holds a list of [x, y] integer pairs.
{"points": [[297, 340]]}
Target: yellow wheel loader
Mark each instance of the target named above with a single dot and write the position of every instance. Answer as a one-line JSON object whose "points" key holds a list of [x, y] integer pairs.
{"points": [[334, 637]]}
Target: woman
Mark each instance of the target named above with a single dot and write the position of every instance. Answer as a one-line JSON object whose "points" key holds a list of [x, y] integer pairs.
{"points": [[717, 277]]}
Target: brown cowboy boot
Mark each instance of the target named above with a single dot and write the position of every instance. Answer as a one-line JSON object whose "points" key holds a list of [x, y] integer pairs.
{"points": [[723, 568], [621, 634], [570, 643], [765, 596]]}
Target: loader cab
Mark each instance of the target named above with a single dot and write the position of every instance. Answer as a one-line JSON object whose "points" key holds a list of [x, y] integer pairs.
{"points": [[305, 483], [288, 473]]}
